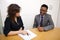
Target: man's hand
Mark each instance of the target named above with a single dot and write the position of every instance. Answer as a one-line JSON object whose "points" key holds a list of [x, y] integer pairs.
{"points": [[40, 29]]}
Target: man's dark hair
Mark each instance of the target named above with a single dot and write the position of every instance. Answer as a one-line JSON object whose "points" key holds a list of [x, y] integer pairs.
{"points": [[44, 5]]}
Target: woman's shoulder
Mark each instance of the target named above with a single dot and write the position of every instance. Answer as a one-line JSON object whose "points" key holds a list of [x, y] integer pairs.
{"points": [[7, 19]]}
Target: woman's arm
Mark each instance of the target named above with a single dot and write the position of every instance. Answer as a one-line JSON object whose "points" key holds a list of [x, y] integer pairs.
{"points": [[17, 32], [13, 33]]}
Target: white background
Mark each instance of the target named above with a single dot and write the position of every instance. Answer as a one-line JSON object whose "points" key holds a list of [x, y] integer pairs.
{"points": [[30, 8], [58, 17]]}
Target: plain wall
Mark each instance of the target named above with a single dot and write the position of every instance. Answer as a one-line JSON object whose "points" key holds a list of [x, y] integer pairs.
{"points": [[30, 8], [58, 17]]}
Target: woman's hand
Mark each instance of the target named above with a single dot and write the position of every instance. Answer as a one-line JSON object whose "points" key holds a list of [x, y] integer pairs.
{"points": [[22, 32]]}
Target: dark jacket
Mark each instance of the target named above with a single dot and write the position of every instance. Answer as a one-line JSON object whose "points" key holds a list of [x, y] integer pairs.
{"points": [[10, 26]]}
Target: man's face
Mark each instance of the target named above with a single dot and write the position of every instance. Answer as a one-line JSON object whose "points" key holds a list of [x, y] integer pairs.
{"points": [[43, 10]]}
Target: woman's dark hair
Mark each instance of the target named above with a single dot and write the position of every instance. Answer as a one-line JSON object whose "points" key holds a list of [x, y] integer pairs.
{"points": [[12, 10], [44, 5]]}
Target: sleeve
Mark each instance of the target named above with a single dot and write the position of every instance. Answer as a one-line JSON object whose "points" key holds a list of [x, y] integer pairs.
{"points": [[21, 23], [7, 28], [35, 23], [51, 24]]}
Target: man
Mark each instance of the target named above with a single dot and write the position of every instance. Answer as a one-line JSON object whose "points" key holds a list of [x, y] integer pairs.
{"points": [[43, 21]]}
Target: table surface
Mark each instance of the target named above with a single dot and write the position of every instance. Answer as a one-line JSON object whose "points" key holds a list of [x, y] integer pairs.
{"points": [[48, 35]]}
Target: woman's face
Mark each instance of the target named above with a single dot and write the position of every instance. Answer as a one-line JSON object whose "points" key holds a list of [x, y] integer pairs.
{"points": [[17, 14]]}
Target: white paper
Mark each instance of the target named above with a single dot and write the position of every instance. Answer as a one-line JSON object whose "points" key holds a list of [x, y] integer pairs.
{"points": [[28, 37]]}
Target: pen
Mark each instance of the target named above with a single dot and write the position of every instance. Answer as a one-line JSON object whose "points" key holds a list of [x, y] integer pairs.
{"points": [[27, 34]]}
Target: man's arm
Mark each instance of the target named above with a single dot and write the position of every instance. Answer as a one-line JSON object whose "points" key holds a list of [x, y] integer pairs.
{"points": [[51, 24], [35, 23]]}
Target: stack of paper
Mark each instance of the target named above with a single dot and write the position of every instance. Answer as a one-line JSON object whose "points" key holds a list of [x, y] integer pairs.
{"points": [[28, 37]]}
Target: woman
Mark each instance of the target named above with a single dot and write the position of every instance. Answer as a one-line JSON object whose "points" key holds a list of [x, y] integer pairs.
{"points": [[13, 23]]}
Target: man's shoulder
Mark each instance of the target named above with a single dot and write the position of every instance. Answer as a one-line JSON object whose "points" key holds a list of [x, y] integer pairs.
{"points": [[37, 15], [48, 15]]}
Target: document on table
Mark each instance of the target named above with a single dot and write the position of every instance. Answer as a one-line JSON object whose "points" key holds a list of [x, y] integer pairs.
{"points": [[28, 37]]}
